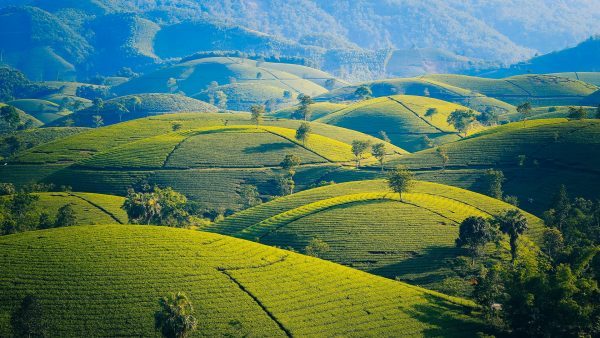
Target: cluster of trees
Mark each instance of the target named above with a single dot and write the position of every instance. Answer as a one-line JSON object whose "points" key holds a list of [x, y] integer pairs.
{"points": [[361, 148], [286, 182], [157, 206], [15, 85], [548, 293], [18, 213], [462, 120]]}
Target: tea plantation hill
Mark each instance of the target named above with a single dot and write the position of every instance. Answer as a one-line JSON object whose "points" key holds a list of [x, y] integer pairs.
{"points": [[30, 138], [149, 104], [237, 288], [244, 81], [318, 110], [42, 110], [420, 87], [24, 118], [89, 208], [540, 90], [209, 159], [369, 228], [536, 157], [402, 117]]}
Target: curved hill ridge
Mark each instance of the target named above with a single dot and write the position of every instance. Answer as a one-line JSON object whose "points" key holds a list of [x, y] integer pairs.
{"points": [[402, 117], [276, 293], [536, 157], [372, 229]]}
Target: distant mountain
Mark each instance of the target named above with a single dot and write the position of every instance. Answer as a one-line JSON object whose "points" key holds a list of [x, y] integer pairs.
{"points": [[357, 40], [585, 57]]}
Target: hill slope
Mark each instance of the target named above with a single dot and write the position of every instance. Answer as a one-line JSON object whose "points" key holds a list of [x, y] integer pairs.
{"points": [[370, 228], [536, 156], [402, 117], [237, 287]]}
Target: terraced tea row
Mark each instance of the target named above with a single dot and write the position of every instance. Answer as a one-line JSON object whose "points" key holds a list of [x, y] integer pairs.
{"points": [[237, 287]]}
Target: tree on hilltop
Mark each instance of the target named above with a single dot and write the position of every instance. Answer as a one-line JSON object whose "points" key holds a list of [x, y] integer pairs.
{"points": [[462, 120], [379, 152], [359, 149], [400, 180], [577, 113], [304, 111], [257, 111], [303, 133], [475, 232], [525, 110], [363, 92]]}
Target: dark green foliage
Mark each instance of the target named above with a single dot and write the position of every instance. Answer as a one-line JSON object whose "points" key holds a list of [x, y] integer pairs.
{"points": [[28, 320], [7, 189], [400, 180], [513, 223], [13, 145], [431, 112], [257, 111], [175, 318], [462, 120], [249, 196], [14, 85], [577, 113], [316, 248], [290, 163], [65, 217], [379, 152], [525, 110], [157, 206], [363, 92], [286, 185], [10, 116], [18, 213], [475, 232], [493, 180]]}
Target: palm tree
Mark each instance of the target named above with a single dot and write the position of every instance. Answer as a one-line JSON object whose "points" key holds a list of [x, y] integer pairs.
{"points": [[175, 319], [513, 223]]}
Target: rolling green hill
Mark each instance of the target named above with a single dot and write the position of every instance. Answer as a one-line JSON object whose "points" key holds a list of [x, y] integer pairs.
{"points": [[238, 288], [24, 118], [536, 157], [402, 117], [197, 76], [589, 77], [540, 90], [146, 149], [593, 100], [318, 109], [421, 87], [30, 138], [45, 111], [151, 104], [89, 208], [370, 228]]}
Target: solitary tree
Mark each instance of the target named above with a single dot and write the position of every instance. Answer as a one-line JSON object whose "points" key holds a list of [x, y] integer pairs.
{"points": [[475, 232], [363, 92], [303, 133], [98, 105], [462, 120], [316, 248], [400, 180], [221, 99], [359, 149], [443, 155], [525, 110], [257, 111], [249, 196], [286, 185], [28, 320], [290, 163], [513, 223], [65, 216], [175, 318], [176, 126], [384, 136], [120, 109], [135, 102], [577, 113], [304, 111], [431, 112], [493, 180], [379, 152], [97, 121]]}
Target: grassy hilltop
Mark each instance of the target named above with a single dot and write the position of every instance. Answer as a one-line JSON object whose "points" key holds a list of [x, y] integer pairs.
{"points": [[371, 229], [237, 287]]}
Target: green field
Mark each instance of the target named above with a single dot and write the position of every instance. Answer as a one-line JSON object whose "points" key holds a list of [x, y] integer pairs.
{"points": [[111, 159], [34, 137], [369, 228], [99, 281], [553, 152], [421, 87], [402, 117], [540, 90], [25, 117], [589, 77], [89, 208], [43, 110]]}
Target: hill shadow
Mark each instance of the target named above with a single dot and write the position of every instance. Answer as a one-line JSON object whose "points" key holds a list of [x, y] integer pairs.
{"points": [[445, 318], [269, 147], [432, 264]]}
